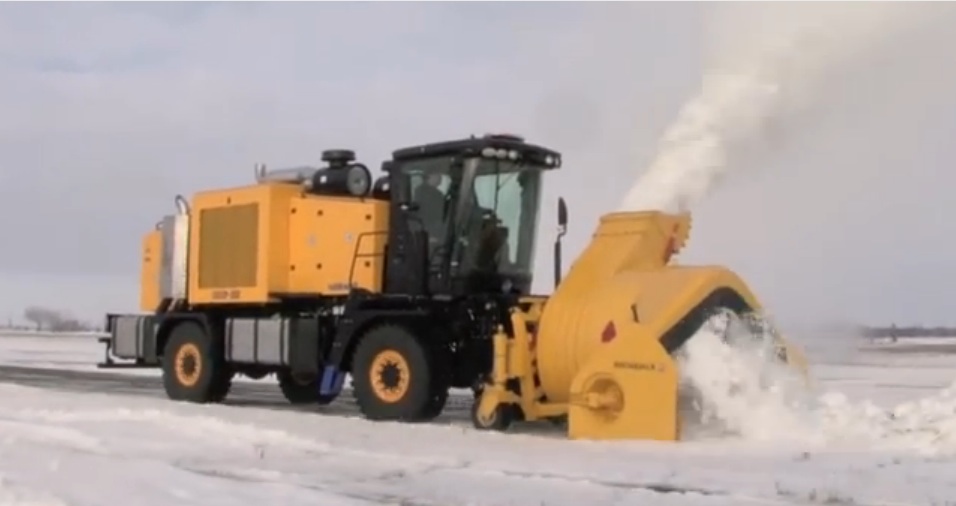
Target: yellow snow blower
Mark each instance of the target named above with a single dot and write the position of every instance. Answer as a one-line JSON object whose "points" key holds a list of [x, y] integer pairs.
{"points": [[600, 349], [415, 283]]}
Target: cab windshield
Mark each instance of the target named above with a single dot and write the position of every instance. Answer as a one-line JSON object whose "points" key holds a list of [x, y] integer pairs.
{"points": [[498, 219]]}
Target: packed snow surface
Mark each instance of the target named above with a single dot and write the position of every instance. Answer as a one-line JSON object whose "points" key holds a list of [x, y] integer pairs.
{"points": [[59, 448]]}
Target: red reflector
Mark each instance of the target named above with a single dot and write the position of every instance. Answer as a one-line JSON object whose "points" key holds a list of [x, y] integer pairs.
{"points": [[610, 332]]}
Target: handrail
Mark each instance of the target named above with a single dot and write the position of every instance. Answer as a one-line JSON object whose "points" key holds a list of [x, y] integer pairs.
{"points": [[356, 255]]}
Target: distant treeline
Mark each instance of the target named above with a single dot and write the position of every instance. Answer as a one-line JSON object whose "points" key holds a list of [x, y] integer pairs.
{"points": [[41, 318], [912, 331]]}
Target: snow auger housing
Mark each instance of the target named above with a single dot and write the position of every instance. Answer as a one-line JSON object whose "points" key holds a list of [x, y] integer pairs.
{"points": [[599, 350]]}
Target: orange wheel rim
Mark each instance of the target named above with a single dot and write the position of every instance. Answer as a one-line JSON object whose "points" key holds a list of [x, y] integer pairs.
{"points": [[188, 365], [389, 376]]}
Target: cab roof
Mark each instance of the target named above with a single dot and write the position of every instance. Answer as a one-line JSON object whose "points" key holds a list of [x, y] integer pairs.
{"points": [[473, 146]]}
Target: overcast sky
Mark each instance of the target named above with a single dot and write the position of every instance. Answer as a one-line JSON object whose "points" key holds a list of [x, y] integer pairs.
{"points": [[109, 110]]}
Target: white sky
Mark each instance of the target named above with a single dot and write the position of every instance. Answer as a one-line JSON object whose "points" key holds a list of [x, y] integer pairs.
{"points": [[111, 109]]}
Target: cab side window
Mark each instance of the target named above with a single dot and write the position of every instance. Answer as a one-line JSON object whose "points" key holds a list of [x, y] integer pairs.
{"points": [[428, 184], [429, 193]]}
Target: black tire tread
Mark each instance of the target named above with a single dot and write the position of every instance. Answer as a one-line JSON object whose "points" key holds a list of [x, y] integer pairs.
{"points": [[299, 394], [421, 401], [216, 375]]}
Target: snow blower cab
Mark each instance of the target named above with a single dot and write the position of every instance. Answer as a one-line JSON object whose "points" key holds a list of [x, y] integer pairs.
{"points": [[466, 213]]}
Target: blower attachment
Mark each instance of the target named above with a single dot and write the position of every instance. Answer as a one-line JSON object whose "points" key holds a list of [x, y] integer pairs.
{"points": [[601, 349]]}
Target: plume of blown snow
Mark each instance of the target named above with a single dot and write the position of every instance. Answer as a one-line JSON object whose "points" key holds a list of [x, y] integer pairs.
{"points": [[765, 63], [740, 389]]}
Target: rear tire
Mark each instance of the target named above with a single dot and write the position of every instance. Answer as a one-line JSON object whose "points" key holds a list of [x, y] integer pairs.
{"points": [[393, 375], [194, 369], [297, 391]]}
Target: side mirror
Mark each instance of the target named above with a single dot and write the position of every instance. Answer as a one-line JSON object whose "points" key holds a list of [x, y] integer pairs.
{"points": [[400, 189], [562, 216], [562, 229]]}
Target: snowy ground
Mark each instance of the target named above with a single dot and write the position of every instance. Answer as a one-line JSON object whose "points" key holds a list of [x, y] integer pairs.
{"points": [[97, 449]]}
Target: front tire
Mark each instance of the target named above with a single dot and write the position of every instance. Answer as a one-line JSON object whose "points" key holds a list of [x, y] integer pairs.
{"points": [[436, 405], [194, 369], [393, 375]]}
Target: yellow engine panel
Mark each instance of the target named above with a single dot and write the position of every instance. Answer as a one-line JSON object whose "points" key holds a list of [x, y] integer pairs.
{"points": [[152, 249], [251, 243], [336, 242]]}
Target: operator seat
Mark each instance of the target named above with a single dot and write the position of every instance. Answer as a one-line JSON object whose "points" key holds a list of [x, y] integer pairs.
{"points": [[431, 210]]}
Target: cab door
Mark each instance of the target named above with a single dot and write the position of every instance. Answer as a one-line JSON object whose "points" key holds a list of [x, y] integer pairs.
{"points": [[419, 226], [407, 250]]}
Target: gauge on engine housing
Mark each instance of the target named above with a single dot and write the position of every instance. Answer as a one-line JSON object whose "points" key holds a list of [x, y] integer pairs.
{"points": [[354, 179]]}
